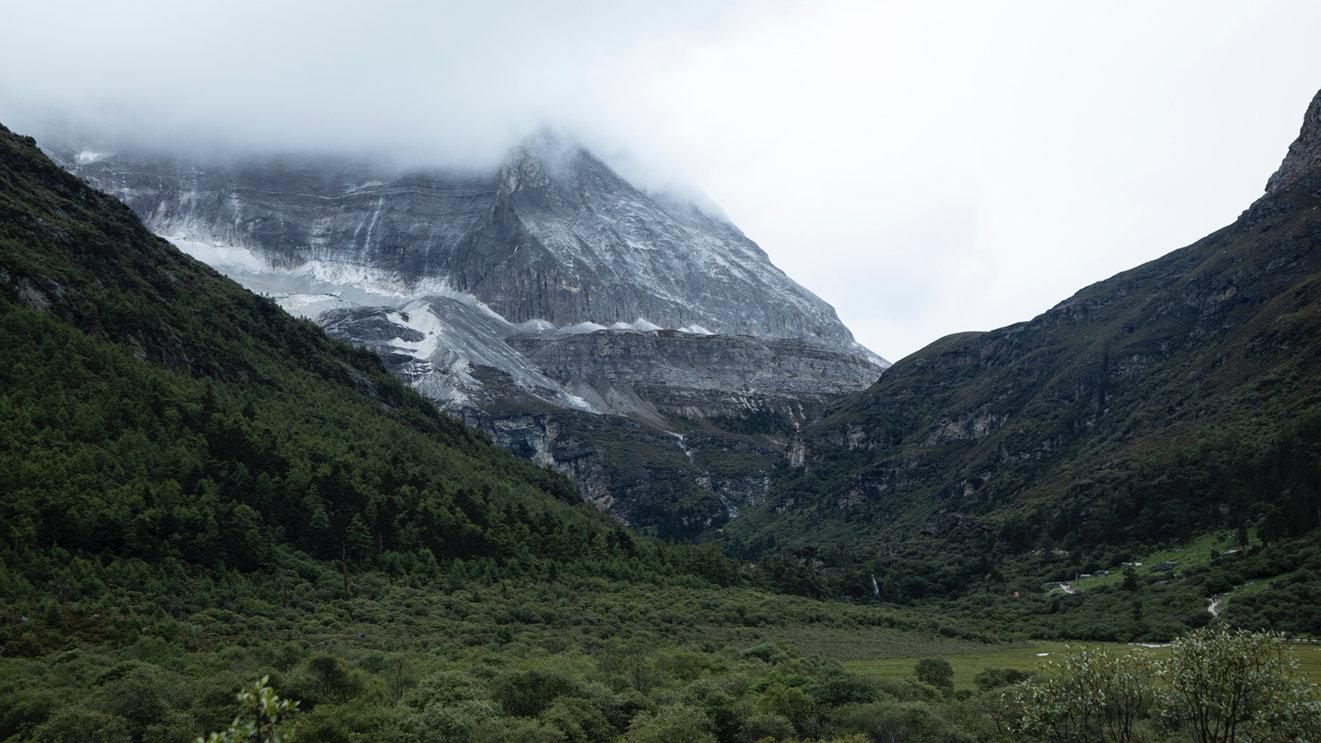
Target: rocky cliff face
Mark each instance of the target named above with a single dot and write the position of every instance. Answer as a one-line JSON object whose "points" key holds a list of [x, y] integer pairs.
{"points": [[452, 351], [668, 431], [554, 234], [673, 485], [1304, 154], [664, 374], [634, 342]]}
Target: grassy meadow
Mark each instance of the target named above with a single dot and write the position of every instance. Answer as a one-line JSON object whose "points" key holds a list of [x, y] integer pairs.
{"points": [[1031, 656]]}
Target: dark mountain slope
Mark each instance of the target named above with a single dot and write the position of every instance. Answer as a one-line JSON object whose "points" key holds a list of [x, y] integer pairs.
{"points": [[1145, 407], [153, 408]]}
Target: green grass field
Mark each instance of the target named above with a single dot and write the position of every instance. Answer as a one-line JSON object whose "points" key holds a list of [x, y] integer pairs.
{"points": [[855, 643], [1195, 552], [1258, 585], [1027, 657]]}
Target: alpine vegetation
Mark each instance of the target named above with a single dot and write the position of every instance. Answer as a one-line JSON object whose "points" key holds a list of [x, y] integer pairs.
{"points": [[305, 444]]}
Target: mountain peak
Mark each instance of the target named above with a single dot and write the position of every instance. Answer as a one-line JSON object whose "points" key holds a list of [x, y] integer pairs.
{"points": [[549, 140], [1304, 154], [552, 164]]}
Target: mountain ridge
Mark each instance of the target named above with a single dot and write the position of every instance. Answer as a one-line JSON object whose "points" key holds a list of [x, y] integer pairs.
{"points": [[551, 234], [1046, 430]]}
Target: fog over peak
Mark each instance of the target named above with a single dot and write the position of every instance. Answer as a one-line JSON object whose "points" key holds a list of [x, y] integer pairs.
{"points": [[433, 83], [925, 167]]}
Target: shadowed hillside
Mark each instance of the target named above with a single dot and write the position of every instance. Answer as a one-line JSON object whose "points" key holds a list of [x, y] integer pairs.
{"points": [[1170, 400]]}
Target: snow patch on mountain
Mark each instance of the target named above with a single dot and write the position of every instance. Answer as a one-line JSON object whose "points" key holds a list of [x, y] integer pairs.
{"points": [[536, 325], [582, 327], [220, 256], [418, 317], [641, 325], [553, 233]]}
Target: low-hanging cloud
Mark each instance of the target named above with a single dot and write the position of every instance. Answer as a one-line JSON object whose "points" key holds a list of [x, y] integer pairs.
{"points": [[925, 167], [438, 82]]}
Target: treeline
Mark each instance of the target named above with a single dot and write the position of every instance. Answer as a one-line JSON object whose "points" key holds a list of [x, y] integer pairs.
{"points": [[1268, 478], [1270, 485], [105, 454]]}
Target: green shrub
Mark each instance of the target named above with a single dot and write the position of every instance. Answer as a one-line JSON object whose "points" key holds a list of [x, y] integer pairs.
{"points": [[768, 652], [845, 688], [935, 672], [262, 718], [326, 679], [517, 730], [673, 723], [453, 721], [1092, 696], [579, 719], [525, 693], [79, 725], [791, 703], [136, 696], [766, 726], [442, 688], [1223, 685], [909, 722], [995, 678]]}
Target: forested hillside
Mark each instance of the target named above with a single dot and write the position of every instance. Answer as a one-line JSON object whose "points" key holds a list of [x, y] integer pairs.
{"points": [[154, 409], [1173, 399]]}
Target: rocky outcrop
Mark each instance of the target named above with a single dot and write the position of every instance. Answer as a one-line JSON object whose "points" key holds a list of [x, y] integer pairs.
{"points": [[452, 350], [676, 486], [666, 374], [1304, 154], [670, 431]]}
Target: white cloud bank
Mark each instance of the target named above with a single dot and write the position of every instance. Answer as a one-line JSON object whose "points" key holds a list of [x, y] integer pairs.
{"points": [[926, 167]]}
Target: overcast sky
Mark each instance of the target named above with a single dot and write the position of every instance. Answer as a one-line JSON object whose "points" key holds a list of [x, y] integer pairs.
{"points": [[926, 167]]}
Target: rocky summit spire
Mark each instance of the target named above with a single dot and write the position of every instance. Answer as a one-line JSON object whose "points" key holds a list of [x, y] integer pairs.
{"points": [[550, 168], [1304, 154]]}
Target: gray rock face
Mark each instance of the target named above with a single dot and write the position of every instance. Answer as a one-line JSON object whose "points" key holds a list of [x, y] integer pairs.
{"points": [[669, 431], [1304, 154], [465, 357], [669, 374], [452, 351], [554, 234], [639, 345]]}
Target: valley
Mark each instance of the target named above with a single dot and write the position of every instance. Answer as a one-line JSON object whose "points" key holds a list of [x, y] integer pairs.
{"points": [[535, 455]]}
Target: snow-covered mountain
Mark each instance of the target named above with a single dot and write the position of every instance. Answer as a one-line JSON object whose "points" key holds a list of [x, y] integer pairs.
{"points": [[636, 342], [553, 234]]}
